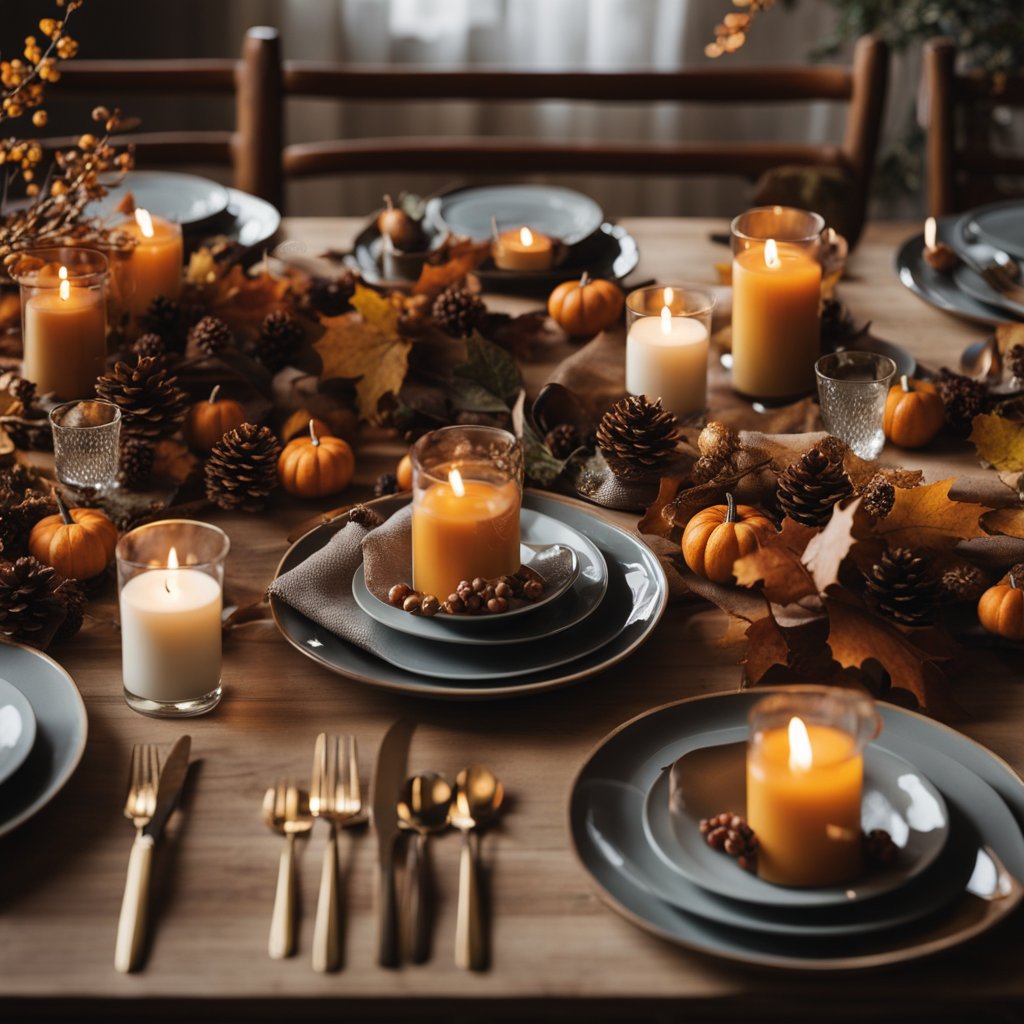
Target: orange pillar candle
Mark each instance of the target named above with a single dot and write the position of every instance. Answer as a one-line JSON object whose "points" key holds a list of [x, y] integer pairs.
{"points": [[523, 249], [804, 787], [157, 259]]}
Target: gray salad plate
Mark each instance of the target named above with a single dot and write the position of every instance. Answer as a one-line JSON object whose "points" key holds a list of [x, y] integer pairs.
{"points": [[61, 728], [1001, 225], [636, 598], [17, 729], [965, 773]]}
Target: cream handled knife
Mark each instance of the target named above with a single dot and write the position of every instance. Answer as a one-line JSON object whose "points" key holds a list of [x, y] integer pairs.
{"points": [[131, 928]]}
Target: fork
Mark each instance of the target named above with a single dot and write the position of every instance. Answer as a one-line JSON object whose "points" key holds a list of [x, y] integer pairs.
{"points": [[286, 811], [334, 796], [139, 806], [999, 276]]}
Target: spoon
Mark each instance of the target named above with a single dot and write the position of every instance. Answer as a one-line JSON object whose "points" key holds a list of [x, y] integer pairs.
{"points": [[422, 808], [478, 798], [982, 360]]}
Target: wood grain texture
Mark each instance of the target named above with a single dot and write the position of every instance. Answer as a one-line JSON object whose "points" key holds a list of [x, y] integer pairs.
{"points": [[557, 951]]}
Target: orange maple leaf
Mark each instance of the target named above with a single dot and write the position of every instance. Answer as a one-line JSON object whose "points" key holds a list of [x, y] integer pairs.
{"points": [[925, 517]]}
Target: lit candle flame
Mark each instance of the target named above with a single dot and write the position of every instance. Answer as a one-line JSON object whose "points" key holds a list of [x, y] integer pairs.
{"points": [[145, 222], [800, 756], [65, 285], [666, 319], [771, 255], [172, 563], [526, 236], [929, 233], [667, 296], [457, 486]]}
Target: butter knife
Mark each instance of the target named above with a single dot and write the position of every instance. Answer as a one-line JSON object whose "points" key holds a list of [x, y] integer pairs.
{"points": [[388, 777], [131, 927]]}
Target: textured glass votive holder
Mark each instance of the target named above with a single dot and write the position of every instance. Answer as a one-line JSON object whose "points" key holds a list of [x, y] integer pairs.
{"points": [[86, 444], [170, 578], [852, 388]]}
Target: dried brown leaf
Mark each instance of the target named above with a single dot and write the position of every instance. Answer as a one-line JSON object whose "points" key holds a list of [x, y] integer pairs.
{"points": [[1007, 521], [925, 518], [463, 257], [173, 461], [777, 565], [999, 441], [825, 552]]}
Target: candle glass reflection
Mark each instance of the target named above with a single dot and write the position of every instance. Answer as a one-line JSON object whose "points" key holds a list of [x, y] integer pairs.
{"points": [[667, 334], [805, 773], [63, 319], [467, 490], [852, 388], [776, 282], [170, 578], [86, 445]]}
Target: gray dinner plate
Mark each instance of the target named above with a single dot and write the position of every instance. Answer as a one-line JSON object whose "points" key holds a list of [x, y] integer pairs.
{"points": [[186, 199], [637, 594], [562, 213], [897, 798], [61, 728], [974, 285], [561, 613], [966, 774], [17, 729], [1001, 225], [253, 221]]}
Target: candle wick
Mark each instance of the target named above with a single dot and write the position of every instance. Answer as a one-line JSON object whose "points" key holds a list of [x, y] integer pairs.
{"points": [[167, 586]]}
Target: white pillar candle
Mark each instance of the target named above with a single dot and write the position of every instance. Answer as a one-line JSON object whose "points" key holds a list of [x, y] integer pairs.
{"points": [[171, 634], [667, 357]]}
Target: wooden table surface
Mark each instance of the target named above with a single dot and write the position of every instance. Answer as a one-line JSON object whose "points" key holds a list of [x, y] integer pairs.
{"points": [[558, 950]]}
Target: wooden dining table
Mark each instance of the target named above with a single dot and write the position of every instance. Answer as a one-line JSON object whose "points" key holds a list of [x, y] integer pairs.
{"points": [[558, 951]]}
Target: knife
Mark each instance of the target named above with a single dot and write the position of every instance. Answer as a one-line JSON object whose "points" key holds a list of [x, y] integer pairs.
{"points": [[131, 927], [387, 781]]}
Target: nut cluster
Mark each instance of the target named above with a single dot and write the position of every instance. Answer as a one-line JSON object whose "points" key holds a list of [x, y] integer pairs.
{"points": [[730, 834], [478, 596]]}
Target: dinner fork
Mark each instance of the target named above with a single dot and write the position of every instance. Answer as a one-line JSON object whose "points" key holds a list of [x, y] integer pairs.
{"points": [[139, 806], [999, 276], [334, 796], [285, 810]]}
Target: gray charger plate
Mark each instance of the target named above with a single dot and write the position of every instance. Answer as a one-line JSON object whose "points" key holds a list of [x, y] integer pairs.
{"points": [[896, 794], [17, 729], [1000, 224], [60, 735], [561, 612], [635, 578], [964, 772]]}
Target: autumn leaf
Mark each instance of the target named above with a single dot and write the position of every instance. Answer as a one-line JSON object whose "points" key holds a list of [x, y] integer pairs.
{"points": [[825, 552], [173, 461], [375, 309], [1008, 335], [777, 565], [463, 257], [1007, 521], [999, 441], [925, 517]]}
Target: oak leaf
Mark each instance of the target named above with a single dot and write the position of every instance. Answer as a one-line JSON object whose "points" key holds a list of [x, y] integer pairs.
{"points": [[463, 257], [999, 441], [925, 518]]}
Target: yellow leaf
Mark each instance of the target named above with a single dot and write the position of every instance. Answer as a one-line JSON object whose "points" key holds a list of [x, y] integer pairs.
{"points": [[1000, 441], [375, 309], [925, 517], [353, 349]]}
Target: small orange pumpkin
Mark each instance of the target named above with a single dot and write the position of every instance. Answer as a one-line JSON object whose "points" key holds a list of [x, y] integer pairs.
{"points": [[1001, 609], [914, 413], [314, 466], [584, 307], [716, 537], [208, 421], [78, 543]]}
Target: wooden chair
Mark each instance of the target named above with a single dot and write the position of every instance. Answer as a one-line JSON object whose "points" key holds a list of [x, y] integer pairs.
{"points": [[962, 167], [862, 86]]}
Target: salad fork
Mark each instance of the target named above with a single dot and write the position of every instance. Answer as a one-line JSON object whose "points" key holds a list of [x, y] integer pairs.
{"points": [[286, 811]]}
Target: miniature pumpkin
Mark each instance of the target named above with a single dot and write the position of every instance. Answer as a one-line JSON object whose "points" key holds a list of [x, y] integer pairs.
{"points": [[208, 421], [584, 307], [716, 537], [78, 543], [1001, 609], [914, 413], [403, 473], [314, 466]]}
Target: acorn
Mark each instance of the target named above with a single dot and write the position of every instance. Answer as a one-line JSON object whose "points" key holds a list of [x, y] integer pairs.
{"points": [[393, 222]]}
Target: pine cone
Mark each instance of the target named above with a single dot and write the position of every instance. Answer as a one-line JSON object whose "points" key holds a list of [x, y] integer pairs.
{"points": [[75, 600], [457, 311], [18, 518], [902, 588], [24, 391], [211, 336], [31, 609], [717, 441], [135, 464], [811, 487], [879, 496], [637, 437], [29, 434], [964, 582], [964, 399], [279, 338], [242, 468], [563, 440], [331, 298], [1015, 361], [149, 345], [151, 403], [164, 317], [833, 448], [386, 483]]}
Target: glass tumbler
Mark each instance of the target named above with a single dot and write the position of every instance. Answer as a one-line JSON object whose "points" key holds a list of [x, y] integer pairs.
{"points": [[467, 485], [170, 578], [852, 388], [86, 443]]}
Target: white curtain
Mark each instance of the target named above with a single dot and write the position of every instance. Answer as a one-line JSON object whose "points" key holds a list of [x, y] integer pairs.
{"points": [[549, 34]]}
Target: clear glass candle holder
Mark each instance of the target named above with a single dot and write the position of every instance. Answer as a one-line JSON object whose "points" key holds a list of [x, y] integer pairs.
{"points": [[668, 330], [467, 485], [805, 775], [86, 445], [63, 319], [776, 284], [852, 388], [170, 578]]}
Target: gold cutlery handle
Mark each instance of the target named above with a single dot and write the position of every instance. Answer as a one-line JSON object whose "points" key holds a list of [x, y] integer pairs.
{"points": [[282, 922], [387, 910], [131, 927], [326, 950], [470, 951], [418, 915]]}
